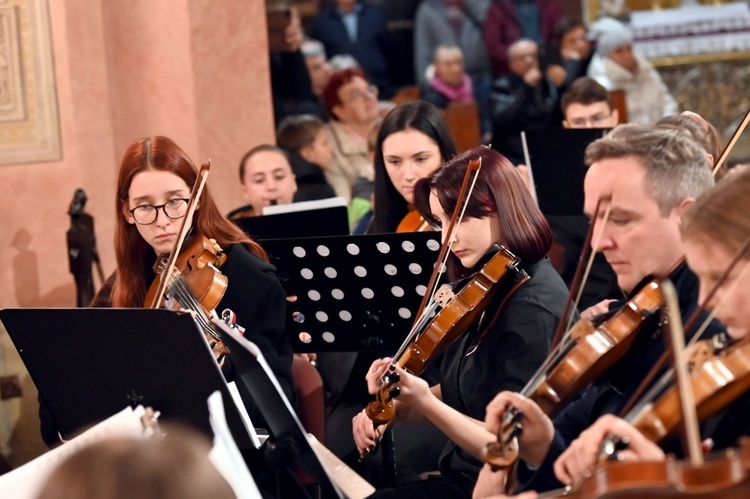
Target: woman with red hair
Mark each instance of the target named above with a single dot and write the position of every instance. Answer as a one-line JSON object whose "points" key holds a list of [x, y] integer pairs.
{"points": [[153, 190]]}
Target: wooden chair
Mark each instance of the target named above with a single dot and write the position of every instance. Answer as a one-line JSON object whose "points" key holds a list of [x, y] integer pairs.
{"points": [[618, 100], [407, 94], [310, 410], [462, 119]]}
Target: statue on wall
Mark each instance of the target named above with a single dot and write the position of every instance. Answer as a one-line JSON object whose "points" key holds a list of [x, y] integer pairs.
{"points": [[82, 253]]}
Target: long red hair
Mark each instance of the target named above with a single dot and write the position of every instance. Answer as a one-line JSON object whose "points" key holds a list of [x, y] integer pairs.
{"points": [[131, 250]]}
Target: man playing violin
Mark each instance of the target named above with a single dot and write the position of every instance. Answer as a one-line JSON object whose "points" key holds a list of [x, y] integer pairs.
{"points": [[646, 178], [153, 186], [714, 231]]}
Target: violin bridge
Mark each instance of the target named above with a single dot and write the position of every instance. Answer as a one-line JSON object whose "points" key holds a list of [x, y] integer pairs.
{"points": [[444, 295]]}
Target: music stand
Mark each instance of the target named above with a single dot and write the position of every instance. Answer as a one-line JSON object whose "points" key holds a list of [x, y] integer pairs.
{"points": [[556, 160], [289, 439], [353, 293], [90, 363]]}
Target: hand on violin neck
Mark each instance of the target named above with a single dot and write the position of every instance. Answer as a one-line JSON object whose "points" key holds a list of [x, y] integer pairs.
{"points": [[537, 434], [412, 390], [584, 452], [375, 374], [600, 308]]}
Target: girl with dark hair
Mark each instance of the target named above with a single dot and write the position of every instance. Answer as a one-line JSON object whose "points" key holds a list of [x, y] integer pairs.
{"points": [[412, 142], [153, 190], [501, 350]]}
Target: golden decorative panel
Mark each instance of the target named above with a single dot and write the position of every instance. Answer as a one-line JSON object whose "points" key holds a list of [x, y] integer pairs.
{"points": [[29, 124]]}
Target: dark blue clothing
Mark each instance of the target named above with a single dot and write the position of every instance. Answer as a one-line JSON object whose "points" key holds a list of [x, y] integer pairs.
{"points": [[611, 392], [370, 47]]}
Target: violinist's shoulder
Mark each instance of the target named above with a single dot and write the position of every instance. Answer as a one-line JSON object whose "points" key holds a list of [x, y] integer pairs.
{"points": [[240, 260]]}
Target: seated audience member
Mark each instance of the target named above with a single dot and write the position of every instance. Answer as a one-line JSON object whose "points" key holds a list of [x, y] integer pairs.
{"points": [[450, 83], [587, 104], [267, 179], [522, 99], [320, 72], [510, 20], [358, 29], [168, 467], [363, 192], [352, 103], [569, 57], [617, 67], [305, 139]]}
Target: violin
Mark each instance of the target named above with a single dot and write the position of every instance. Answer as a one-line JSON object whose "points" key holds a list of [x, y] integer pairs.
{"points": [[194, 283], [723, 476], [434, 334], [413, 222], [191, 279], [576, 362]]}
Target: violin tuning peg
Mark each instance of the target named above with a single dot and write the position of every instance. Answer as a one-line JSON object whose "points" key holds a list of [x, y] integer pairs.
{"points": [[394, 392], [393, 378]]}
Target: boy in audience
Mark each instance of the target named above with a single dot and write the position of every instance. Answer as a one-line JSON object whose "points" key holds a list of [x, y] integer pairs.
{"points": [[305, 139], [587, 104]]}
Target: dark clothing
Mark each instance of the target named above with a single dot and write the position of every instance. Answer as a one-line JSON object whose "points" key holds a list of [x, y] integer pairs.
{"points": [[611, 392], [508, 356], [502, 28], [368, 49], [515, 107], [570, 231], [291, 86], [256, 296], [246, 211], [311, 181]]}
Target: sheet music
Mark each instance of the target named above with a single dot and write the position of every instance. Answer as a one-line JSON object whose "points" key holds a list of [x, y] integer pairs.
{"points": [[225, 454], [316, 204], [26, 481], [232, 386]]}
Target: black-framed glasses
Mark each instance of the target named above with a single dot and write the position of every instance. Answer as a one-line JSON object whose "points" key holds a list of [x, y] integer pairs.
{"points": [[146, 214]]}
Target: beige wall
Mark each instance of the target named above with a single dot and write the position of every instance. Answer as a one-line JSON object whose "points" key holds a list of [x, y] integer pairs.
{"points": [[194, 70]]}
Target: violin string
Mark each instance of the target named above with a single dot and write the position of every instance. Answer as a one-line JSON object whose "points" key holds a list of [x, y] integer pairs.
{"points": [[187, 299]]}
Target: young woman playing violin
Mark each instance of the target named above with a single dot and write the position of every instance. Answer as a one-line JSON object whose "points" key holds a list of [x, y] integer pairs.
{"points": [[714, 230], [153, 186], [413, 141], [504, 347]]}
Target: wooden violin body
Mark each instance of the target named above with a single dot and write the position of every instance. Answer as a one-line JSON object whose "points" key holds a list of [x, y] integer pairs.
{"points": [[716, 383], [413, 222], [195, 282], [594, 351], [724, 476], [449, 324]]}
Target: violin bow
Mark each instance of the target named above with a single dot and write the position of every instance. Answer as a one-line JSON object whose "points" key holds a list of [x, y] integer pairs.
{"points": [[732, 141], [187, 223], [474, 166], [685, 394]]}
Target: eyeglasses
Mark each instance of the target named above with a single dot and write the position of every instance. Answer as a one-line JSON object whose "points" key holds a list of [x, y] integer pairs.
{"points": [[146, 214], [357, 94], [594, 120]]}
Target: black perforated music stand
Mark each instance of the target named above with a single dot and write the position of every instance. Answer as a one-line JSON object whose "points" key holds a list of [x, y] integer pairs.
{"points": [[353, 293], [90, 363]]}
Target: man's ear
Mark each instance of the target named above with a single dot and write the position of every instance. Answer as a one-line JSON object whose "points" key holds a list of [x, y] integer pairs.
{"points": [[616, 115], [682, 207], [565, 124]]}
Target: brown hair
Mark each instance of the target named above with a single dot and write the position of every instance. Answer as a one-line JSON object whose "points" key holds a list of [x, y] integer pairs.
{"points": [[701, 130], [720, 215], [255, 150], [131, 250], [298, 131], [585, 91], [498, 190], [175, 465], [676, 166]]}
